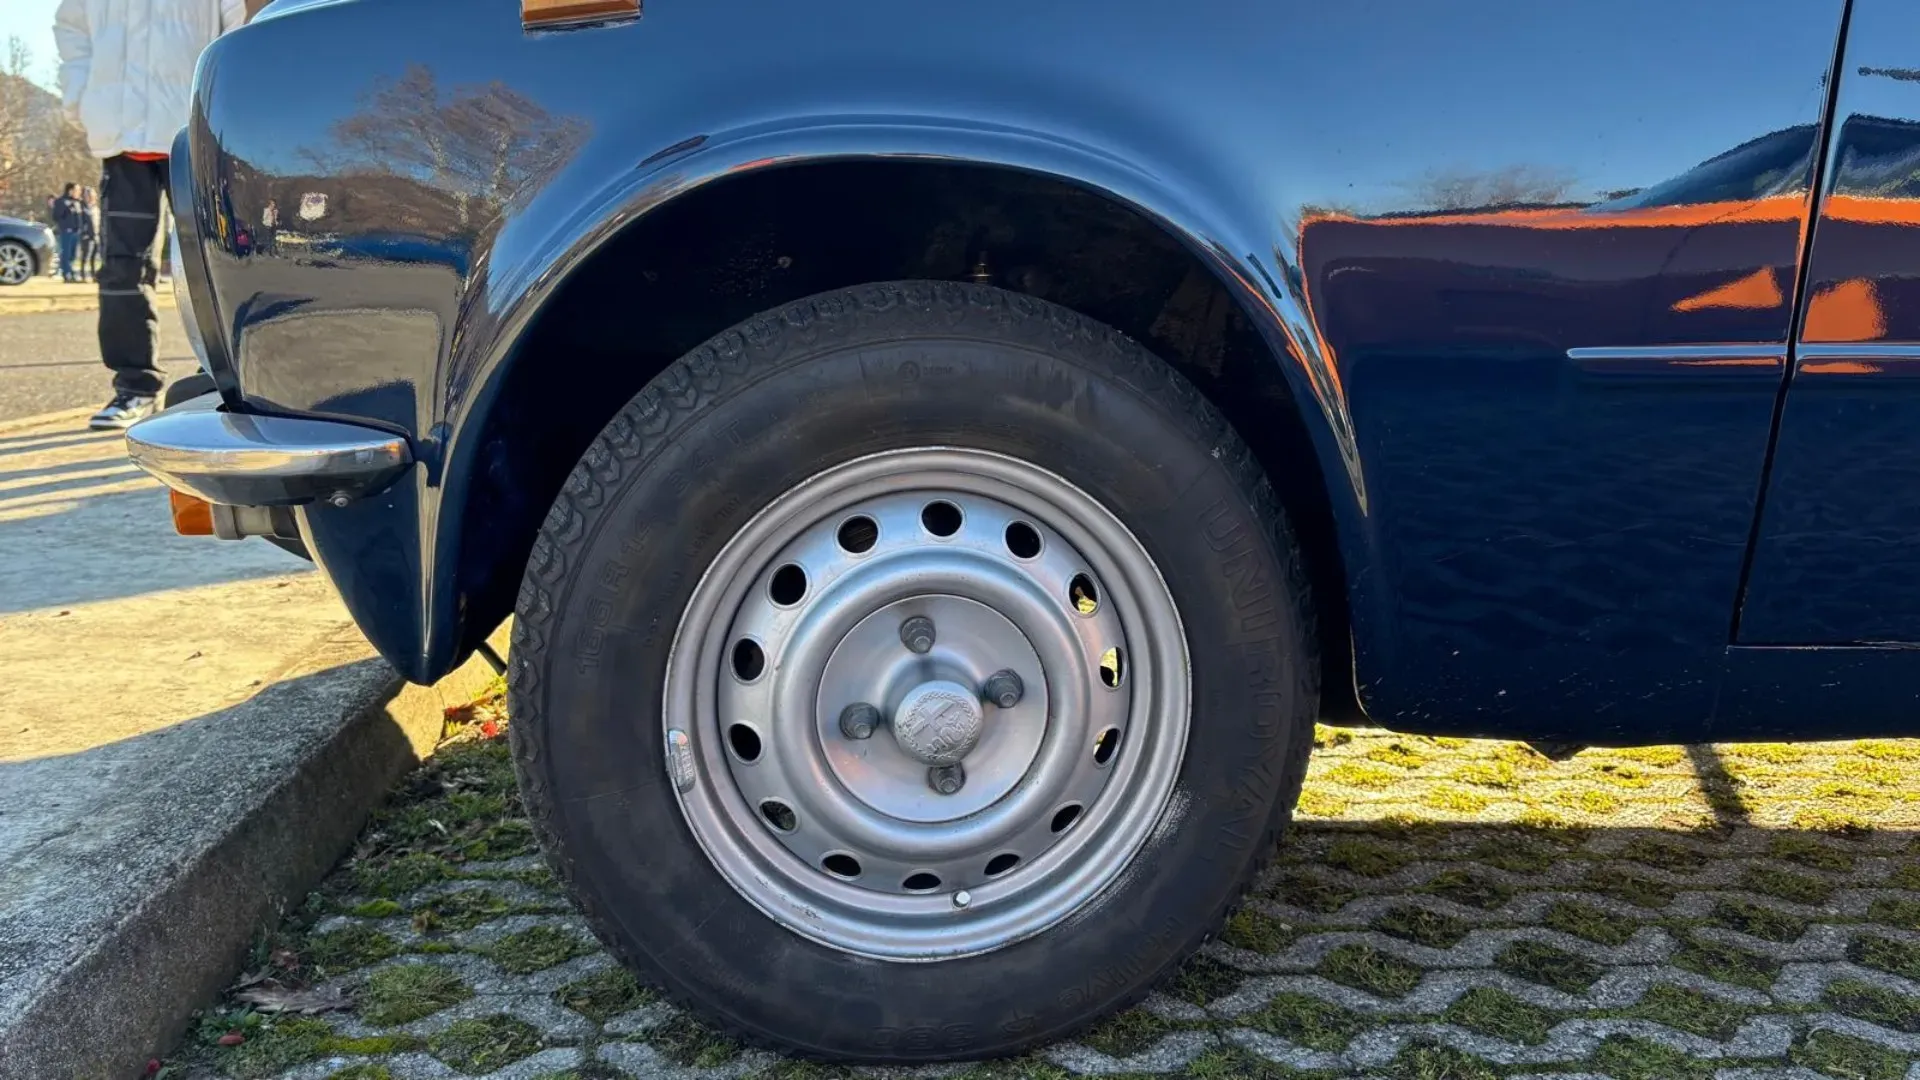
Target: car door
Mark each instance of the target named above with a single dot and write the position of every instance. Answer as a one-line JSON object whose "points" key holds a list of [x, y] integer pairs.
{"points": [[1837, 557]]}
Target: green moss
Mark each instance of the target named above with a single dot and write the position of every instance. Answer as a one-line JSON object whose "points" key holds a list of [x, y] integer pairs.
{"points": [[1624, 1057], [461, 910], [346, 949], [1466, 887], [361, 1071], [1513, 856], [1127, 1033], [377, 909], [1313, 893], [1362, 774], [536, 949], [1397, 754], [1884, 953], [1203, 980], [1326, 738], [273, 1046], [1234, 1063], [1423, 927], [1458, 800], [603, 995], [1365, 858], [1493, 774], [1874, 1004], [485, 1044], [1620, 775], [406, 992], [1369, 969], [1844, 1057], [1497, 1013], [1588, 799], [1024, 1068], [1664, 855], [687, 1042], [1636, 889], [1538, 962], [1307, 1021], [1810, 852], [1905, 876], [1432, 1061], [1757, 920], [1689, 1011], [1724, 963], [1258, 931], [1590, 923], [1898, 911], [400, 875], [1795, 888]]}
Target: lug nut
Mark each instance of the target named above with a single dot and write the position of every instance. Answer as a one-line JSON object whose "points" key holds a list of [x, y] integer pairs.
{"points": [[1004, 688], [859, 720], [917, 633], [947, 779]]}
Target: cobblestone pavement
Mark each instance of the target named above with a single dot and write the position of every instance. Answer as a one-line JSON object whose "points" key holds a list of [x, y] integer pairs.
{"points": [[1443, 910]]}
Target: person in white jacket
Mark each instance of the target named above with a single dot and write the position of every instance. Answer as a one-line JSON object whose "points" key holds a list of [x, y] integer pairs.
{"points": [[126, 73]]}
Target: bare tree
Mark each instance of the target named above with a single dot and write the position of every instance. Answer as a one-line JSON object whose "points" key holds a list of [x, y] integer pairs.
{"points": [[40, 148]]}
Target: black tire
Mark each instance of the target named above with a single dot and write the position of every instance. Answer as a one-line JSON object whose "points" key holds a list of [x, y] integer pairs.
{"points": [[744, 418], [33, 263]]}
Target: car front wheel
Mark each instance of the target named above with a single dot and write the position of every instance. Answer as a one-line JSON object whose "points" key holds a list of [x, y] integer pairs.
{"points": [[17, 264], [919, 671]]}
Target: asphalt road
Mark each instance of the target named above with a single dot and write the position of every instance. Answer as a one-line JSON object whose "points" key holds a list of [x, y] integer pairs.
{"points": [[51, 361]]}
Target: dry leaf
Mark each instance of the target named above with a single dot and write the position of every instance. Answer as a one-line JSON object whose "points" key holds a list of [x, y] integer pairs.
{"points": [[271, 997]]}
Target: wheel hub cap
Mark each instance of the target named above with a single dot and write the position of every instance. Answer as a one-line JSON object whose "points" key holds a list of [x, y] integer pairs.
{"points": [[938, 723]]}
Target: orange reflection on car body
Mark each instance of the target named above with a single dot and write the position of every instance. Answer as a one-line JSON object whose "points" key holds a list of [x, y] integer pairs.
{"points": [[1847, 311], [1756, 290]]}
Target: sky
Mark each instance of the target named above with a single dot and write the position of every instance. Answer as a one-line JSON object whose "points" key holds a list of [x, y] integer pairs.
{"points": [[32, 22]]}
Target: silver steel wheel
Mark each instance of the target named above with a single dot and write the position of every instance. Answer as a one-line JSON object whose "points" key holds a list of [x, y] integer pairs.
{"points": [[16, 264], [926, 704]]}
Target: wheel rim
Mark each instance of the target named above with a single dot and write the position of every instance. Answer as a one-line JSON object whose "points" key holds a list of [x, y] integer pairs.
{"points": [[16, 265], [854, 842]]}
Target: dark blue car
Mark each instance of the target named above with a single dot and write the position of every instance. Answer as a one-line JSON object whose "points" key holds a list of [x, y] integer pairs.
{"points": [[942, 459]]}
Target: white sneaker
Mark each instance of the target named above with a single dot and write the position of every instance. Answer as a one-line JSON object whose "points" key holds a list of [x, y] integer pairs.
{"points": [[122, 412]]}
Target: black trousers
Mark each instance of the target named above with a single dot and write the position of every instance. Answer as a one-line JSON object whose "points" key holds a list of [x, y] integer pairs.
{"points": [[131, 193]]}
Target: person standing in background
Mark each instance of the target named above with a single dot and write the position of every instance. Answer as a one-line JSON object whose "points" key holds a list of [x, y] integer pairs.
{"points": [[89, 252], [67, 211], [126, 73]]}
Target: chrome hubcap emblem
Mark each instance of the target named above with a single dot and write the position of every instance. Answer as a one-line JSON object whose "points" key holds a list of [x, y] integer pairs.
{"points": [[939, 723]]}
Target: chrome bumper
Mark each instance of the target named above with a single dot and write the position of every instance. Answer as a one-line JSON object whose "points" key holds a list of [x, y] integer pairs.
{"points": [[239, 460]]}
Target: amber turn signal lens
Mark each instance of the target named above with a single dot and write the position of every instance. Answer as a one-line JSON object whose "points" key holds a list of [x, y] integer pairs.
{"points": [[537, 13], [191, 516]]}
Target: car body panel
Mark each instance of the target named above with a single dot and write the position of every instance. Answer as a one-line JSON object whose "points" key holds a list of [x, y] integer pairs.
{"points": [[1530, 271]]}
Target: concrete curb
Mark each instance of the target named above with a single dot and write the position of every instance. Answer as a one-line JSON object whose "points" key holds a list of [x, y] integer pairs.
{"points": [[130, 979], [25, 422], [36, 305]]}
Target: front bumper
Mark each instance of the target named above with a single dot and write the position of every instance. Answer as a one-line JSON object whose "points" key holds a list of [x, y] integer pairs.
{"points": [[236, 459]]}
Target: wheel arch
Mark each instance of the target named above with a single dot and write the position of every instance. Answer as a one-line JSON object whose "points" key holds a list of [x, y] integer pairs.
{"points": [[502, 465]]}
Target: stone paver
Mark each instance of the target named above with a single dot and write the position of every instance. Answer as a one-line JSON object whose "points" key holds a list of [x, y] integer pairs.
{"points": [[1443, 910]]}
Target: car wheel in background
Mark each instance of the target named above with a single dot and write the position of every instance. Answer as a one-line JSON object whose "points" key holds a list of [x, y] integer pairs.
{"points": [[919, 671], [16, 263]]}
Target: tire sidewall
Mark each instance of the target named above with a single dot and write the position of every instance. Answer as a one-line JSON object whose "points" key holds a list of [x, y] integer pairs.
{"points": [[744, 419]]}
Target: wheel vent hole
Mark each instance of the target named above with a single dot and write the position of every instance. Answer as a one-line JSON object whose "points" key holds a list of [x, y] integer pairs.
{"points": [[745, 742], [921, 882], [1023, 540], [779, 815], [859, 534], [1000, 864], [1064, 818], [941, 518], [789, 585], [1113, 668], [1106, 746], [845, 866], [748, 660], [1082, 593]]}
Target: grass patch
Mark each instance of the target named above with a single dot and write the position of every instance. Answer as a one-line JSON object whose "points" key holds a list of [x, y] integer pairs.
{"points": [[1465, 887], [1307, 1021], [1366, 968], [1664, 855], [1203, 980], [1784, 885], [1624, 1057], [1874, 1004], [1590, 923], [603, 995], [1397, 754], [1885, 954], [1757, 920], [1620, 775], [406, 992], [687, 1042], [1495, 1012], [1512, 856], [1906, 876], [1897, 911], [1587, 800], [1127, 1034], [347, 949], [462, 910], [1316, 803], [1423, 927], [1656, 756], [1809, 852], [1491, 774], [1844, 1057], [1365, 858], [1538, 962], [1432, 1061], [1869, 770], [399, 875], [1689, 1011], [1889, 749], [1313, 893], [376, 909], [1457, 800], [364, 1070], [1362, 774], [1770, 753], [1326, 738], [484, 1044], [1833, 821], [536, 949], [1724, 963], [1257, 931], [1636, 889], [273, 1044]]}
